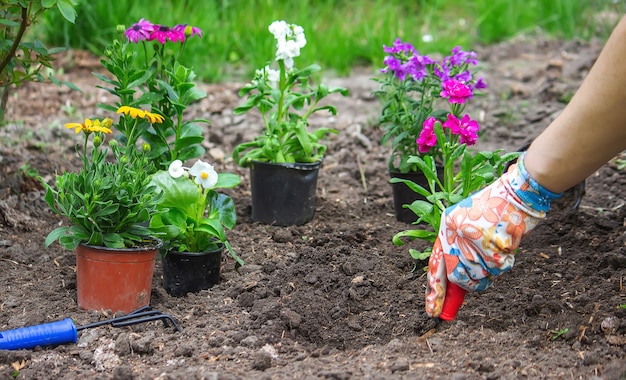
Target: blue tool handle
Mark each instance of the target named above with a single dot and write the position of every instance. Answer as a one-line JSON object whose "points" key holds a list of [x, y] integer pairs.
{"points": [[47, 334]]}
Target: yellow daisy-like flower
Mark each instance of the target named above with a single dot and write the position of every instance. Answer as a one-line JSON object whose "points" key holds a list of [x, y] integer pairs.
{"points": [[100, 126], [139, 113], [91, 126]]}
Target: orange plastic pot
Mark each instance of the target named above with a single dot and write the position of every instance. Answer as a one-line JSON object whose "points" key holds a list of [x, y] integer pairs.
{"points": [[114, 279]]}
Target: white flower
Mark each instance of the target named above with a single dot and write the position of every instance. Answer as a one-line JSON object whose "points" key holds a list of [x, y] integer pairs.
{"points": [[204, 174], [176, 169], [273, 76], [279, 29], [427, 38], [289, 40]]}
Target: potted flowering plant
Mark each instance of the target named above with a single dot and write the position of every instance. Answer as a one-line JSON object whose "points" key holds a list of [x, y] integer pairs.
{"points": [[287, 152], [107, 203], [414, 89], [192, 221], [145, 70]]}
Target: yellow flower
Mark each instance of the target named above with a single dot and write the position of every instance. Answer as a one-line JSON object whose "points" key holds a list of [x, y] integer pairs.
{"points": [[92, 126], [100, 126], [139, 113]]}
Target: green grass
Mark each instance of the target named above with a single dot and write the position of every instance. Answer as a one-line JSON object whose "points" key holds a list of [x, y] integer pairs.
{"points": [[341, 34]]}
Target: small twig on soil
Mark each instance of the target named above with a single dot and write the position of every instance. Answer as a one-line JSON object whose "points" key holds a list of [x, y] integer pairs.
{"points": [[600, 209], [361, 172], [11, 261]]}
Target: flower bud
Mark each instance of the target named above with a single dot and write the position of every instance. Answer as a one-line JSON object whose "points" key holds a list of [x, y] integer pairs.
{"points": [[97, 183], [120, 28], [124, 159], [146, 147], [188, 31], [113, 144], [97, 140]]}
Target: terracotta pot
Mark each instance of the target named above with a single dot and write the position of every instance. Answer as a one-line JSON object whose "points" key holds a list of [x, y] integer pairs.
{"points": [[402, 194], [114, 279], [191, 272], [283, 194]]}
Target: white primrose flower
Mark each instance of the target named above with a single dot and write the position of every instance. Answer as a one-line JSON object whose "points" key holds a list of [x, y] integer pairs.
{"points": [[176, 169], [204, 174]]}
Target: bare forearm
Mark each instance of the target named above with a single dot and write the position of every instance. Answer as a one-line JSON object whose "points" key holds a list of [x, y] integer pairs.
{"points": [[591, 129]]}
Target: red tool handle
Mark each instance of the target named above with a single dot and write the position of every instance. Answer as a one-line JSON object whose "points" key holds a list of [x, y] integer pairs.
{"points": [[453, 301]]}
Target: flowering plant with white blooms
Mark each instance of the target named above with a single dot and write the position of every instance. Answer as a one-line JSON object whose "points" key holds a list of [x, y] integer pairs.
{"points": [[193, 215], [285, 99]]}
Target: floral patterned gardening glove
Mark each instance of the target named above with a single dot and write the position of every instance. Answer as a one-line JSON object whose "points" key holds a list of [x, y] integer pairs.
{"points": [[478, 238]]}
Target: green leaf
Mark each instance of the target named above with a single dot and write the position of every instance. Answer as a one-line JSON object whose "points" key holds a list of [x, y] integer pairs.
{"points": [[66, 8], [417, 255], [55, 235], [412, 235], [178, 192], [227, 180]]}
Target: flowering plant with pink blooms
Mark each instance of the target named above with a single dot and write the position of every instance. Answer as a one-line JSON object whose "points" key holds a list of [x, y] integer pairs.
{"points": [[416, 92], [145, 71], [439, 136]]}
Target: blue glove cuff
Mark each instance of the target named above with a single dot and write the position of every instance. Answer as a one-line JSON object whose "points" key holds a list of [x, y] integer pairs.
{"points": [[530, 191]]}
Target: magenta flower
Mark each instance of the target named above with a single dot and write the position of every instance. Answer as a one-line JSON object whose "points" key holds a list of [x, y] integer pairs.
{"points": [[427, 138], [466, 128], [140, 31], [163, 33], [188, 30], [455, 91]]}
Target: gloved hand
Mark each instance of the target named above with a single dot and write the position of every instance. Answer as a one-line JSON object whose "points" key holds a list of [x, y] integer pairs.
{"points": [[478, 238]]}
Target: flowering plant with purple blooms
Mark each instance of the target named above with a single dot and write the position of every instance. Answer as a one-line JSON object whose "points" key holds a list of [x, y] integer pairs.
{"points": [[145, 69], [417, 91], [423, 116]]}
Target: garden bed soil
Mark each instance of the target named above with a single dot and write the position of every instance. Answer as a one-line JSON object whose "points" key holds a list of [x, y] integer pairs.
{"points": [[334, 298]]}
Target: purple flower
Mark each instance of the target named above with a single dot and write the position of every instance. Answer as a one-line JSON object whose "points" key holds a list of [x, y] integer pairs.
{"points": [[188, 30], [399, 47], [480, 84], [140, 31], [456, 92], [427, 138], [163, 33], [459, 58]]}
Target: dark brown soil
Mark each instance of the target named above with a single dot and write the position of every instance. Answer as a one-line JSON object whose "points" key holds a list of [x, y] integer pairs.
{"points": [[333, 298]]}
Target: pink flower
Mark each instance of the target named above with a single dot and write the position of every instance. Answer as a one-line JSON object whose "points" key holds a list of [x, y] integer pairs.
{"points": [[427, 138], [163, 33], [139, 31], [466, 128], [456, 91]]}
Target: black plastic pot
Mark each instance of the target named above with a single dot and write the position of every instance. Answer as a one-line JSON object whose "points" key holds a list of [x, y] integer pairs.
{"points": [[283, 194], [191, 272], [402, 194]]}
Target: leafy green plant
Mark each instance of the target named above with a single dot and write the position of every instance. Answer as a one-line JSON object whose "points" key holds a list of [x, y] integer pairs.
{"points": [[145, 71], [22, 61], [193, 215], [285, 99], [106, 202]]}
